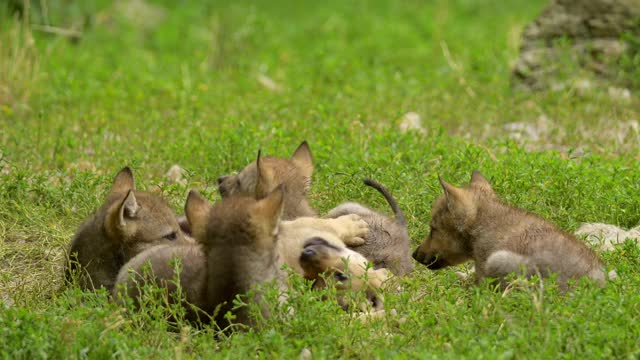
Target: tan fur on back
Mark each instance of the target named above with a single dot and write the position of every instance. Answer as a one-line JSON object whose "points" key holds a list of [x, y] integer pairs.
{"points": [[471, 223], [334, 258], [338, 232], [293, 234]]}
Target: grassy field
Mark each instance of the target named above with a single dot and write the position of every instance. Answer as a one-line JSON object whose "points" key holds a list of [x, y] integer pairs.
{"points": [[205, 86]]}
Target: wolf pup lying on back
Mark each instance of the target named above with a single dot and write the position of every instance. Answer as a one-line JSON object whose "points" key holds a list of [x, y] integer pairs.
{"points": [[323, 258], [315, 249], [236, 252], [471, 223], [387, 244], [129, 222]]}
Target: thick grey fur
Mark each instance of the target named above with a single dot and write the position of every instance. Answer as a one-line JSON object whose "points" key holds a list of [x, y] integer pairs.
{"points": [[387, 245]]}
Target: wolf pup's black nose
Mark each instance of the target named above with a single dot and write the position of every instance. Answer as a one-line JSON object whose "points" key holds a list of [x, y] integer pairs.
{"points": [[221, 179]]}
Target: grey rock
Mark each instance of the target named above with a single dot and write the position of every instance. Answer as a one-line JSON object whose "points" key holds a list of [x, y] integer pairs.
{"points": [[588, 32]]}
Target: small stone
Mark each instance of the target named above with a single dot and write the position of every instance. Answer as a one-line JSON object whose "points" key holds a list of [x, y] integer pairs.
{"points": [[305, 354], [522, 131], [619, 94], [268, 83], [606, 236], [411, 121], [86, 166], [462, 276], [174, 175], [583, 86], [7, 301], [591, 38], [141, 13]]}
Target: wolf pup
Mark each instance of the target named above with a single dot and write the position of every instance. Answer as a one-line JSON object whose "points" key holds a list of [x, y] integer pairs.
{"points": [[161, 263], [323, 258], [471, 223], [238, 252], [337, 233], [128, 223], [295, 174], [387, 244], [315, 249], [292, 234]]}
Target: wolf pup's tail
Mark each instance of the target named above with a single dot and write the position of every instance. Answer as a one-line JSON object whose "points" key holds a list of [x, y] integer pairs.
{"points": [[390, 199]]}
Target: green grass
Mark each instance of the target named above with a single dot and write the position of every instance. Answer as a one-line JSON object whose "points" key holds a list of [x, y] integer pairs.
{"points": [[185, 90]]}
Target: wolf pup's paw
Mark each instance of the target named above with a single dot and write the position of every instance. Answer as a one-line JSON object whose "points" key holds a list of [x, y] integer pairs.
{"points": [[352, 229]]}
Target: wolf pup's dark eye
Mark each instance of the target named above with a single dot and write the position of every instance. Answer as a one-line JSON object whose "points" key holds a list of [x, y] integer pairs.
{"points": [[171, 237], [341, 277]]}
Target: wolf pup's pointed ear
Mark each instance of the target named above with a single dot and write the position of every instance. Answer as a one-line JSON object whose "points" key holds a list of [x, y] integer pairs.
{"points": [[128, 209], [459, 201], [479, 181], [196, 210], [268, 211], [303, 159], [123, 181], [264, 178], [450, 192]]}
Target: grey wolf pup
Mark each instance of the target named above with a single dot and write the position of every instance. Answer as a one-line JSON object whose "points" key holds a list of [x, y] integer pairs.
{"points": [[471, 223], [128, 223], [235, 254], [387, 244], [294, 173]]}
